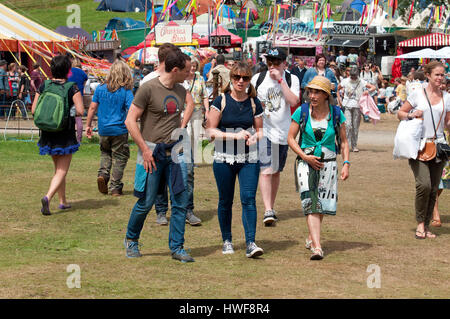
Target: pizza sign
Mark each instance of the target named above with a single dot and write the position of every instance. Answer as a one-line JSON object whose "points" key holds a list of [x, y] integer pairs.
{"points": [[104, 35]]}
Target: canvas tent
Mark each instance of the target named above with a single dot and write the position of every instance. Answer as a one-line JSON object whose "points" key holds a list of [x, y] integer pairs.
{"points": [[15, 28], [235, 40], [124, 24], [124, 5], [175, 13]]}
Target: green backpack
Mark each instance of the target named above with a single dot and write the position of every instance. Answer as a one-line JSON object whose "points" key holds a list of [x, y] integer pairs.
{"points": [[52, 110]]}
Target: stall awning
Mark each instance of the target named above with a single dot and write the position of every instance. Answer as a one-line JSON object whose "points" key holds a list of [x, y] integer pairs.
{"points": [[350, 43], [429, 40]]}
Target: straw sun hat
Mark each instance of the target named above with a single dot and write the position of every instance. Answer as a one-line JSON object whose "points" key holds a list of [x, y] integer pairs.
{"points": [[320, 83]]}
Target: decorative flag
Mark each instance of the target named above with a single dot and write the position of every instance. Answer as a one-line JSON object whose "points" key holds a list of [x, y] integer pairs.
{"points": [[411, 11]]}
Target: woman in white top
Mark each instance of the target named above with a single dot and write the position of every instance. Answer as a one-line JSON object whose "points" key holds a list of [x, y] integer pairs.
{"points": [[433, 106], [354, 88]]}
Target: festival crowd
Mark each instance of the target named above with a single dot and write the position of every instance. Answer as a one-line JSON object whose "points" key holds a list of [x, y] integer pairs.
{"points": [[261, 108]]}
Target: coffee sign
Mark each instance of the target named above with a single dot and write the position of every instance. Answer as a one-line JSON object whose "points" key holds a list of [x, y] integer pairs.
{"points": [[173, 34], [354, 29], [220, 40]]}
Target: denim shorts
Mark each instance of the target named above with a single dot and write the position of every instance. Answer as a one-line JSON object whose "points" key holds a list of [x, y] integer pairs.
{"points": [[276, 159]]}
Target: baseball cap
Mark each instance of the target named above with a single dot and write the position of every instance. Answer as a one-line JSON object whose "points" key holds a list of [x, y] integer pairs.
{"points": [[277, 53], [354, 71]]}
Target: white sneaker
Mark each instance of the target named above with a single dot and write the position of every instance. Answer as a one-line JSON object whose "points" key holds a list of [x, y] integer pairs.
{"points": [[227, 248], [253, 250]]}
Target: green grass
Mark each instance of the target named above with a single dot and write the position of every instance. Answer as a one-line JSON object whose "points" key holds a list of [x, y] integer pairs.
{"points": [[374, 225]]}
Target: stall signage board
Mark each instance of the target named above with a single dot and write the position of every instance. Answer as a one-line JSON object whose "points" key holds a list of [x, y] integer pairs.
{"points": [[173, 34], [102, 46], [354, 29], [220, 40], [104, 35]]}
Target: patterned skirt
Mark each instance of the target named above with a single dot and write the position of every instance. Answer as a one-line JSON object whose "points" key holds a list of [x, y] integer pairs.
{"points": [[318, 189]]}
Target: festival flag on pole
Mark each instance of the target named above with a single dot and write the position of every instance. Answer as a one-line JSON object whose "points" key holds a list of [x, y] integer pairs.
{"points": [[411, 11]]}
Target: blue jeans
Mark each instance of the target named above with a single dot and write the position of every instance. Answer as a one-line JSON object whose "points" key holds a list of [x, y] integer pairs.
{"points": [[144, 205], [248, 175], [162, 200]]}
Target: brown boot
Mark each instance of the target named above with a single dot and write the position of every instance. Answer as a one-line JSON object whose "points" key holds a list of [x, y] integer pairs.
{"points": [[116, 192], [102, 183]]}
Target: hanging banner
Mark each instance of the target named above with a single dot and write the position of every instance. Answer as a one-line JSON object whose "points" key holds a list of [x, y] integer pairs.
{"points": [[173, 33]]}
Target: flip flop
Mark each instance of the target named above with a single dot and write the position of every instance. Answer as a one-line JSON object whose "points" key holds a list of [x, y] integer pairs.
{"points": [[422, 235], [436, 223]]}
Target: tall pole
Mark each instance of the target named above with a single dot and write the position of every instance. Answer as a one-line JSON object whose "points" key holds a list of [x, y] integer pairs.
{"points": [[145, 32], [275, 12], [290, 29]]}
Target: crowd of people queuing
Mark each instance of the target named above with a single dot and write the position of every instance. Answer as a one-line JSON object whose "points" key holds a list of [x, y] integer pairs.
{"points": [[262, 109]]}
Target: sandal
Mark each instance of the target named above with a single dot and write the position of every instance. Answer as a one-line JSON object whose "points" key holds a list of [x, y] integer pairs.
{"points": [[436, 223], [308, 244], [422, 234], [317, 254]]}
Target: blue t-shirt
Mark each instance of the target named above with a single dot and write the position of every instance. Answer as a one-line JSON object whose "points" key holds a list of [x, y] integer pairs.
{"points": [[235, 116], [79, 77], [112, 110], [206, 70]]}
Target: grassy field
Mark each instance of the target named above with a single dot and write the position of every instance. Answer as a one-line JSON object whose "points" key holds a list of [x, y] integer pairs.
{"points": [[374, 226]]}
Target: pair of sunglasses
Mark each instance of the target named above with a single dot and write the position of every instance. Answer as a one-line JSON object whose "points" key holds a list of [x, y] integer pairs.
{"points": [[237, 77], [274, 63]]}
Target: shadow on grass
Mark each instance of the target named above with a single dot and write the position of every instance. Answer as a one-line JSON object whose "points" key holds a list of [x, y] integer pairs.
{"points": [[365, 149], [267, 245], [290, 214], [336, 245], [88, 204]]}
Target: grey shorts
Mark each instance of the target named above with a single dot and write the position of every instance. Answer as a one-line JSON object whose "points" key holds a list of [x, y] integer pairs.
{"points": [[272, 155]]}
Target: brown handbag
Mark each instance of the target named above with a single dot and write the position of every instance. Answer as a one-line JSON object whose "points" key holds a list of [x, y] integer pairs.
{"points": [[429, 151]]}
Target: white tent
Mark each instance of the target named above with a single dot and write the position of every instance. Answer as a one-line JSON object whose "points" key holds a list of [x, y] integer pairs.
{"points": [[424, 53], [443, 53]]}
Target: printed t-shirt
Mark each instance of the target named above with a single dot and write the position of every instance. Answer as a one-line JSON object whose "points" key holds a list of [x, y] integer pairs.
{"points": [[277, 112], [162, 110]]}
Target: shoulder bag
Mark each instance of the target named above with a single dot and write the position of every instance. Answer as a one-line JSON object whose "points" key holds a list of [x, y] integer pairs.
{"points": [[430, 150]]}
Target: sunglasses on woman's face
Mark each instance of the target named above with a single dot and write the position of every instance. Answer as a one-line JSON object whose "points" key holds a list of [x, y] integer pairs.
{"points": [[274, 63], [236, 77]]}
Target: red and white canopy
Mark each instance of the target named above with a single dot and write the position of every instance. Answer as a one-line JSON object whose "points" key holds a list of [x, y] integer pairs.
{"points": [[429, 40]]}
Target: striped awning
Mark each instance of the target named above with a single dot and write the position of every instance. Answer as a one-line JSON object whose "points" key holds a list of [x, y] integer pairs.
{"points": [[17, 27], [429, 40]]}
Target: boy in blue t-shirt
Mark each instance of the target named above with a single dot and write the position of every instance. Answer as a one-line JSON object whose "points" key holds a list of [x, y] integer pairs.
{"points": [[112, 103]]}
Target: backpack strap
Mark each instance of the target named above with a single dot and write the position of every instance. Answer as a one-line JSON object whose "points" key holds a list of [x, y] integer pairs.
{"points": [[261, 77], [288, 78], [337, 126]]}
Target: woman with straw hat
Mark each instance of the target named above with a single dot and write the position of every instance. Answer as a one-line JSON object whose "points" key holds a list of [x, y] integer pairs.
{"points": [[322, 137]]}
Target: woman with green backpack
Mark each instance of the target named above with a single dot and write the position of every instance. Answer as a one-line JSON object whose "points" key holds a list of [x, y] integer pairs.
{"points": [[54, 108], [322, 137]]}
